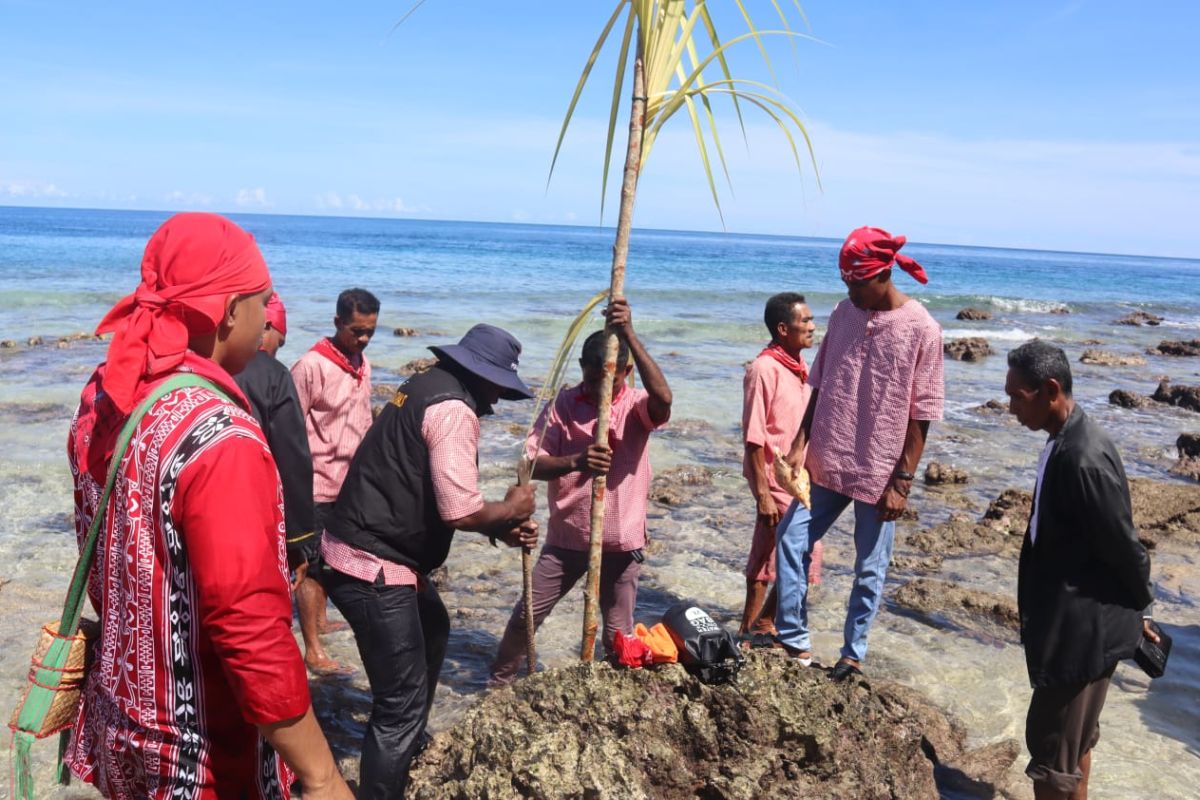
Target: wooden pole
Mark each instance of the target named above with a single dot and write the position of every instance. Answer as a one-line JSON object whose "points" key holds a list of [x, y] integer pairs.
{"points": [[633, 163], [524, 475]]}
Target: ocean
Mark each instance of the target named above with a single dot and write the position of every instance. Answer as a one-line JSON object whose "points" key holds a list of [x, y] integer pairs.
{"points": [[697, 302]]}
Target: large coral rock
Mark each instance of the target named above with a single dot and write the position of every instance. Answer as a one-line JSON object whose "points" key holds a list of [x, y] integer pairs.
{"points": [[973, 348], [939, 474], [1127, 399], [1191, 348], [972, 314], [1106, 358], [1139, 318], [786, 731], [677, 485], [1183, 396], [947, 604]]}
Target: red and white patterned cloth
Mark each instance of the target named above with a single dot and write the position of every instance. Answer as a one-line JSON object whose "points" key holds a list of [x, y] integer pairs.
{"points": [[875, 371], [570, 425], [336, 403], [451, 432], [191, 587]]}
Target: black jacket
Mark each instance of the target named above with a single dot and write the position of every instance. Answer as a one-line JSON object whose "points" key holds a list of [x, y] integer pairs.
{"points": [[386, 505], [1083, 585], [268, 386]]}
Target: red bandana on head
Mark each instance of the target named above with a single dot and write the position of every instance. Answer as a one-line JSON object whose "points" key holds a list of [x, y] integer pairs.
{"points": [[277, 314], [191, 266], [869, 251]]}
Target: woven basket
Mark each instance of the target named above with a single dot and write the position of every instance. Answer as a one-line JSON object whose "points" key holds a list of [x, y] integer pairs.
{"points": [[65, 701]]}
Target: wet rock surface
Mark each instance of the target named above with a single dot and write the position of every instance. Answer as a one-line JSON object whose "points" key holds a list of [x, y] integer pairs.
{"points": [[1166, 512], [1182, 396], [992, 407], [945, 604], [1139, 318], [418, 365], [1188, 466], [679, 485], [1127, 399], [972, 348], [784, 731], [1191, 348], [1105, 358], [405, 332], [972, 314], [938, 474]]}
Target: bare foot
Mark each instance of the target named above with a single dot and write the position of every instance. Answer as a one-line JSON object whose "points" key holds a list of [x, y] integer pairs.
{"points": [[327, 667]]}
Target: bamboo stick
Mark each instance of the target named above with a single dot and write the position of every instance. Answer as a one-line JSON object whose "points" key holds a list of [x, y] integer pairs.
{"points": [[633, 162], [524, 475]]}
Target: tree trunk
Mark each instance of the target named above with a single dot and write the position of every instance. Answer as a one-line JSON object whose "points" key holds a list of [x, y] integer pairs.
{"points": [[633, 162]]}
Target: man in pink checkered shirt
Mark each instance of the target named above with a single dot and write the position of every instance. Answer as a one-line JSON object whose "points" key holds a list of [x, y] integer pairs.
{"points": [[567, 456], [876, 386]]}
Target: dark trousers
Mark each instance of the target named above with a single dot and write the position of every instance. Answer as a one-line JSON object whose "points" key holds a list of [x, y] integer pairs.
{"points": [[401, 634]]}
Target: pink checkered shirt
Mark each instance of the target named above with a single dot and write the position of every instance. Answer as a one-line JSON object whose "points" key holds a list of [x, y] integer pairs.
{"points": [[451, 432], [570, 424], [875, 371], [337, 414]]}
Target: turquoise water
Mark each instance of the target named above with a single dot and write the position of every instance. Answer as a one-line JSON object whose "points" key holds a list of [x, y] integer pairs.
{"points": [[697, 301]]}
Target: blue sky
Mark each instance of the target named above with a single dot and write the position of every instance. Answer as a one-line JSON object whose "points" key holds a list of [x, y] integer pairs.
{"points": [[1064, 125]]}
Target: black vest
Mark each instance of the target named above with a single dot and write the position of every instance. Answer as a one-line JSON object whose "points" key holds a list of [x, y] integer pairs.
{"points": [[387, 506]]}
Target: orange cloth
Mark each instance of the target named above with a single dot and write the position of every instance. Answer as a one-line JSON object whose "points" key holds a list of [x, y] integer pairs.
{"points": [[659, 640]]}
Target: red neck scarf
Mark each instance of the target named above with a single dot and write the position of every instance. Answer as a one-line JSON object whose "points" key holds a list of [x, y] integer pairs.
{"points": [[327, 348], [869, 251], [191, 266], [796, 366]]}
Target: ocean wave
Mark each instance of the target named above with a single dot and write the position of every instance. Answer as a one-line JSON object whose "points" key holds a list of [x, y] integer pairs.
{"points": [[1026, 306], [1010, 335]]}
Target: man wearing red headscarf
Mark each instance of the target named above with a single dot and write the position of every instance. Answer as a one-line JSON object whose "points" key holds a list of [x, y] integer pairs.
{"points": [[273, 400], [876, 385], [197, 688]]}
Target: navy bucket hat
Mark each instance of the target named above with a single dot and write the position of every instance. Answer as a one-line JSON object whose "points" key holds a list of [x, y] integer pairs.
{"points": [[491, 353]]}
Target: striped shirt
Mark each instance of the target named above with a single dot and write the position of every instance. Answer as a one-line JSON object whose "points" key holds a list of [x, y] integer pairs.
{"points": [[570, 425], [875, 371], [451, 432], [337, 414]]}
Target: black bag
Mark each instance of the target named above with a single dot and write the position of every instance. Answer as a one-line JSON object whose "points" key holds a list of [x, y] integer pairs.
{"points": [[1152, 657], [706, 650]]}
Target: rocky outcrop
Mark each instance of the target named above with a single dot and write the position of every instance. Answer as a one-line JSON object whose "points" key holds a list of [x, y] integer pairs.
{"points": [[418, 365], [1191, 348], [972, 314], [946, 604], [1139, 318], [1104, 358], [1182, 396], [973, 348], [992, 407], [8, 344], [1127, 399], [678, 485], [1188, 466], [1000, 529], [784, 731], [405, 332], [1010, 511], [938, 474], [1166, 512]]}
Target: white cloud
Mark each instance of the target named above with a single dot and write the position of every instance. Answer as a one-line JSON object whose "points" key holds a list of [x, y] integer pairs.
{"points": [[179, 198], [253, 198], [334, 201], [31, 190]]}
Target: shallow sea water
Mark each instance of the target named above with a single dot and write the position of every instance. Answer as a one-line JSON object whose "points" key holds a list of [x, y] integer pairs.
{"points": [[697, 301]]}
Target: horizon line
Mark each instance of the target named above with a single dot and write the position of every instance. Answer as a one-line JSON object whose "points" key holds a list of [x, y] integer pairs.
{"points": [[601, 226]]}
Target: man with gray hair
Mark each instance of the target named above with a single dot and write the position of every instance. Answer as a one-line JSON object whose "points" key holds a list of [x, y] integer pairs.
{"points": [[1083, 584]]}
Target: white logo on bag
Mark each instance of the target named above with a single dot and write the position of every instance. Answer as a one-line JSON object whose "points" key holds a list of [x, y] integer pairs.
{"points": [[700, 620]]}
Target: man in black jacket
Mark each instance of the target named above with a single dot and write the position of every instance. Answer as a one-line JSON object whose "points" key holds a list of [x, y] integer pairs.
{"points": [[1084, 578], [412, 483], [268, 386]]}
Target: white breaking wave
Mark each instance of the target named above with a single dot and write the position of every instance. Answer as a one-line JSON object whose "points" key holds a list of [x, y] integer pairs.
{"points": [[1010, 335], [1026, 306]]}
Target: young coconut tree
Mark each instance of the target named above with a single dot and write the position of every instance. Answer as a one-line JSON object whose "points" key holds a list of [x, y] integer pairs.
{"points": [[671, 44]]}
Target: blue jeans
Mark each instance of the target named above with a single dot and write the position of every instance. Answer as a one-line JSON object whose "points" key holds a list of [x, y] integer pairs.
{"points": [[797, 532]]}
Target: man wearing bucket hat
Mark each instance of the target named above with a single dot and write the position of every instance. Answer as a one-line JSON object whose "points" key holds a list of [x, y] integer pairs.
{"points": [[412, 483], [876, 386]]}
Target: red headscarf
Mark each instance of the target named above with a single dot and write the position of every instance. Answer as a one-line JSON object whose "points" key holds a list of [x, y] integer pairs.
{"points": [[191, 265], [869, 251], [277, 314]]}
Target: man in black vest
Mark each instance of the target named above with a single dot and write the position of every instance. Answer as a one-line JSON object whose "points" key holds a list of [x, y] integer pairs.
{"points": [[411, 484], [1084, 579]]}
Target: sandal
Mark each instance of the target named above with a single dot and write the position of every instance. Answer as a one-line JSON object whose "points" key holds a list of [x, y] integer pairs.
{"points": [[842, 670], [803, 656], [756, 641]]}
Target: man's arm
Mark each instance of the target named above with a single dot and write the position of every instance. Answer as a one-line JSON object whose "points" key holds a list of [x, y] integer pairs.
{"points": [[597, 458], [895, 497], [506, 519], [303, 747], [1108, 518], [761, 487], [620, 320], [795, 455]]}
